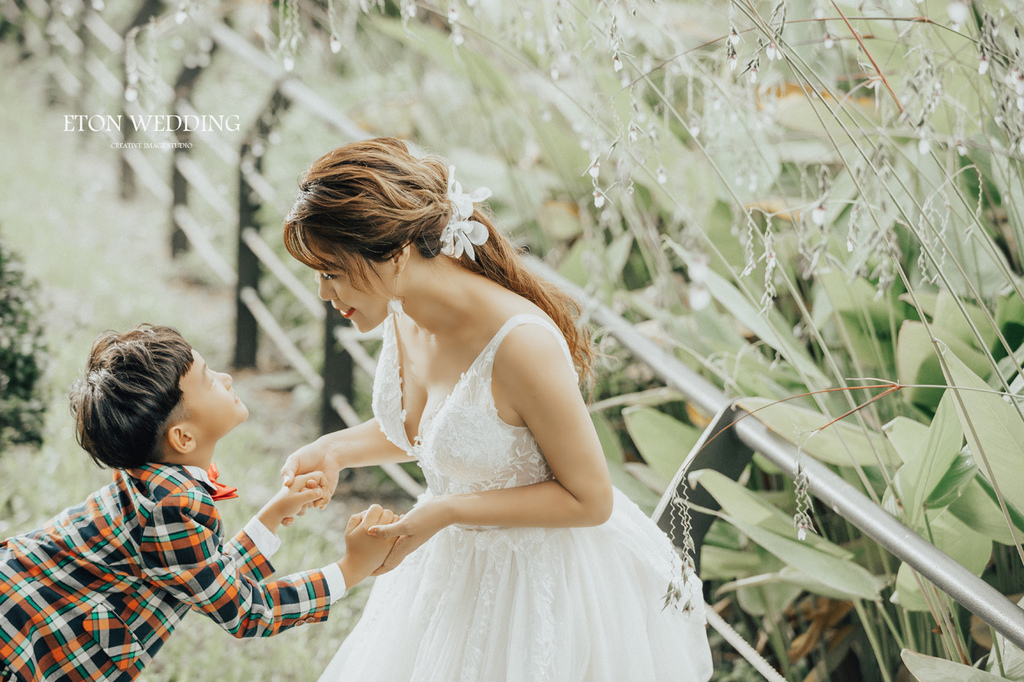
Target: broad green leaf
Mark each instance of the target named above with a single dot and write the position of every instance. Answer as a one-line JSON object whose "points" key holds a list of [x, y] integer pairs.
{"points": [[973, 264], [963, 544], [742, 503], [609, 440], [572, 266], [719, 563], [960, 474], [949, 317], [808, 112], [663, 442], [979, 509], [931, 669], [841, 443], [994, 430], [644, 497], [1012, 658], [857, 299], [906, 435], [1010, 318], [927, 300], [837, 574], [931, 459], [917, 363], [761, 600], [772, 329], [641, 495], [559, 219]]}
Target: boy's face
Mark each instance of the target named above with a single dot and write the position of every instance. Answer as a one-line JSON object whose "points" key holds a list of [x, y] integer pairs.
{"points": [[213, 408]]}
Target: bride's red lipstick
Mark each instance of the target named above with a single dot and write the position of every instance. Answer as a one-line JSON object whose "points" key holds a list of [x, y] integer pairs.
{"points": [[347, 313]]}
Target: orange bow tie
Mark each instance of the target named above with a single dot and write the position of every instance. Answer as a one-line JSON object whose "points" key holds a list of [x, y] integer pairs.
{"points": [[221, 491]]}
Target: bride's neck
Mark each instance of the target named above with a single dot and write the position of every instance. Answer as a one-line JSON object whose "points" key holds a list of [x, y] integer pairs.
{"points": [[441, 297]]}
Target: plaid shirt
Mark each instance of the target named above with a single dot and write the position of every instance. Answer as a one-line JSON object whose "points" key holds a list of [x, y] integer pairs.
{"points": [[96, 592]]}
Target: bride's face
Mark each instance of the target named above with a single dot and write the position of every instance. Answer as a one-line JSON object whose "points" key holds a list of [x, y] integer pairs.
{"points": [[365, 305]]}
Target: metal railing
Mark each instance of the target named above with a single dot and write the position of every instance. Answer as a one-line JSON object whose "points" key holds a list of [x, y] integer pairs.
{"points": [[729, 443]]}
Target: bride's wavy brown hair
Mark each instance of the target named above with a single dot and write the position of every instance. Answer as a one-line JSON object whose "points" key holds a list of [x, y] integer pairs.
{"points": [[365, 201]]}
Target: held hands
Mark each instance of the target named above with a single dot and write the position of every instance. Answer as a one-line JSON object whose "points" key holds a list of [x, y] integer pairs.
{"points": [[304, 490], [314, 457], [365, 553], [411, 531]]}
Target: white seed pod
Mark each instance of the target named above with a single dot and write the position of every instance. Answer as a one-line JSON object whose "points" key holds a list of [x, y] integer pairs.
{"points": [[958, 11], [818, 215]]}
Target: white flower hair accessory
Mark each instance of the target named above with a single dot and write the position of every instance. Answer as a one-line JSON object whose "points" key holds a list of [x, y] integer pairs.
{"points": [[461, 233]]}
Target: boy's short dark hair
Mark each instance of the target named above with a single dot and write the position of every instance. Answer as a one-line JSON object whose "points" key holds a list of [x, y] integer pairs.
{"points": [[123, 405]]}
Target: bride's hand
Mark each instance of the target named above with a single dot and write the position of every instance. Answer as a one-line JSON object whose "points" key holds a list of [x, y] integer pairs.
{"points": [[412, 530], [316, 456]]}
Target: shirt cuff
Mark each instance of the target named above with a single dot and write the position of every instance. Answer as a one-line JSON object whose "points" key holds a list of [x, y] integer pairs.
{"points": [[266, 542], [335, 581]]}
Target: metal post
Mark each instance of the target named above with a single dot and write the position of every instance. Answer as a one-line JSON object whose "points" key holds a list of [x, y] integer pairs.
{"points": [[149, 9], [337, 372], [246, 328], [250, 162], [179, 185]]}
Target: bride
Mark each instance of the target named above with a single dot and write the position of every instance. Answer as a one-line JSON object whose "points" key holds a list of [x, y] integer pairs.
{"points": [[521, 561]]}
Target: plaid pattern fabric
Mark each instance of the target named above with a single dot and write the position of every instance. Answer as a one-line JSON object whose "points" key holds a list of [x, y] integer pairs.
{"points": [[95, 593]]}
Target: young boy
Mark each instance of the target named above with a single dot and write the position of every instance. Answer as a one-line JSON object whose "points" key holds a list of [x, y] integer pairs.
{"points": [[95, 593]]}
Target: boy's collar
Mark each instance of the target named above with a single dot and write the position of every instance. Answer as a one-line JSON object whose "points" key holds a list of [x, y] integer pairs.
{"points": [[200, 475], [171, 475]]}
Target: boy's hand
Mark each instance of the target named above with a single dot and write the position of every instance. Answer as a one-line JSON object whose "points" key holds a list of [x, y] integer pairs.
{"points": [[305, 489], [363, 553]]}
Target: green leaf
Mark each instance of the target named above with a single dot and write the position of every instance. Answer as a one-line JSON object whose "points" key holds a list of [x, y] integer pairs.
{"points": [[841, 443], [931, 459], [572, 266], [663, 442], [772, 329], [609, 439], [719, 563], [1010, 318], [905, 434], [994, 430], [927, 300], [1011, 655], [979, 509], [931, 669], [963, 544], [917, 363], [744, 504], [948, 316], [960, 474], [837, 575], [644, 497]]}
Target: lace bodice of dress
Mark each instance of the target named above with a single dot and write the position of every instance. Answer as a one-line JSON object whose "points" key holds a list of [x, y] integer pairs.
{"points": [[463, 446]]}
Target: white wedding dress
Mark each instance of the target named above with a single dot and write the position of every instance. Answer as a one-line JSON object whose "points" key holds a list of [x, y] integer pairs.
{"points": [[487, 604]]}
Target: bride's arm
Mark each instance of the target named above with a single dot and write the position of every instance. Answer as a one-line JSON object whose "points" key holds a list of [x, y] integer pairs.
{"points": [[533, 378], [358, 446]]}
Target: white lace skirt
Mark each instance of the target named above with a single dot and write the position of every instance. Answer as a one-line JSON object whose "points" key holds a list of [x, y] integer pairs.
{"points": [[528, 605]]}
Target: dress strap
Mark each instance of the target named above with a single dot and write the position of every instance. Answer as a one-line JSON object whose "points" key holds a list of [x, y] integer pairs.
{"points": [[528, 318]]}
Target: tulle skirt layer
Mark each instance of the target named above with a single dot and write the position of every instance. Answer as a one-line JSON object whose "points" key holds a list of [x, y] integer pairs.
{"points": [[529, 605]]}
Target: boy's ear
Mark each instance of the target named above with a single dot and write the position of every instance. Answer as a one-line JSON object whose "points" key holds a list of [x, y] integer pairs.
{"points": [[180, 440]]}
